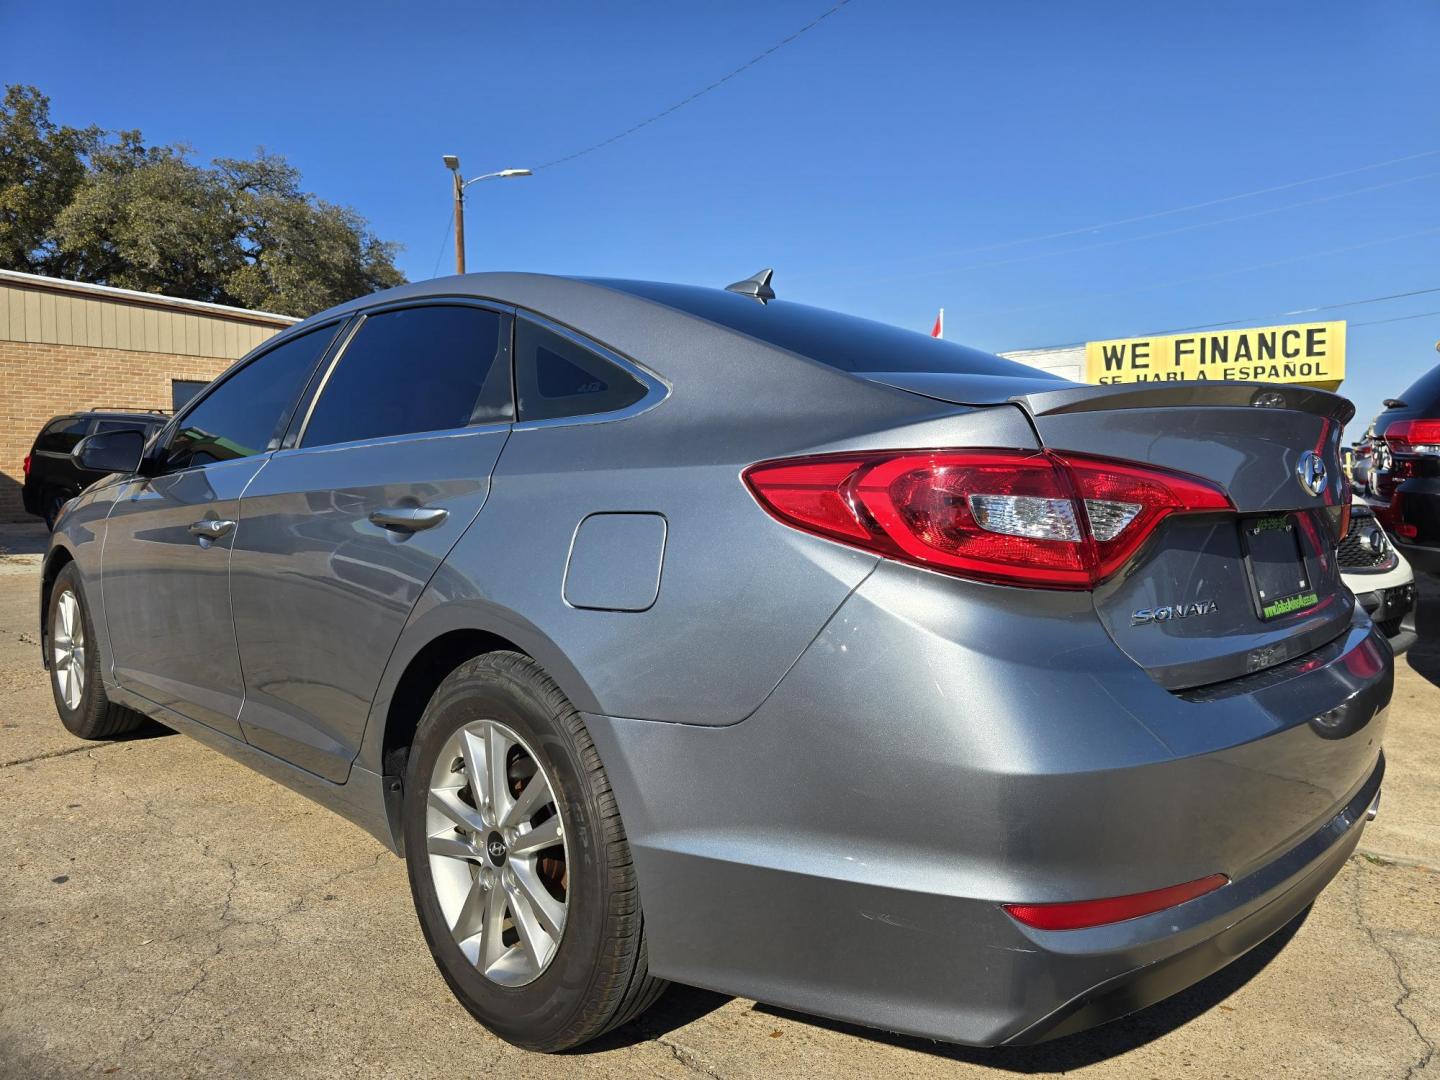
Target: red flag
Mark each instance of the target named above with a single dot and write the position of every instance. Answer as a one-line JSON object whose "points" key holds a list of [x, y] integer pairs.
{"points": [[939, 329]]}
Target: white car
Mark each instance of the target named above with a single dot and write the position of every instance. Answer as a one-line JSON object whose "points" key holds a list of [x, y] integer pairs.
{"points": [[1378, 575]]}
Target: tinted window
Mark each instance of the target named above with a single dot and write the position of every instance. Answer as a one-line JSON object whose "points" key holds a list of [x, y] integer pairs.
{"points": [[555, 377], [60, 436], [1424, 396], [182, 391], [145, 427], [240, 417], [840, 341], [412, 370]]}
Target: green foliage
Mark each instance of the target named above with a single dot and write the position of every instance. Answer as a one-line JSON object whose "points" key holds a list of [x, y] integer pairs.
{"points": [[109, 209], [41, 165]]}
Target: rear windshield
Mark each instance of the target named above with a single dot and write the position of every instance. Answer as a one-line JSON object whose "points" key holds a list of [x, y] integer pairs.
{"points": [[840, 341], [1424, 396]]}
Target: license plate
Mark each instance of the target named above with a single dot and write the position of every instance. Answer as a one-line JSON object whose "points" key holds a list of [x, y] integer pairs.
{"points": [[1278, 574]]}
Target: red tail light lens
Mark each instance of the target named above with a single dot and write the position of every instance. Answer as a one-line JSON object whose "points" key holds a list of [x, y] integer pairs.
{"points": [[1032, 518], [25, 467], [1085, 913], [1414, 436]]}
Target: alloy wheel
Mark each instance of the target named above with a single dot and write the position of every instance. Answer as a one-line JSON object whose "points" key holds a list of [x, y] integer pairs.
{"points": [[68, 652], [497, 852]]}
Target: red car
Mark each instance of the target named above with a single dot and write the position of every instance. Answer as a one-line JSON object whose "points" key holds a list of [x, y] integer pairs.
{"points": [[1405, 475]]}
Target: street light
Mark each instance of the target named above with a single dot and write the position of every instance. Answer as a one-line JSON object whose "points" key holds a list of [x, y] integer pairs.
{"points": [[452, 162]]}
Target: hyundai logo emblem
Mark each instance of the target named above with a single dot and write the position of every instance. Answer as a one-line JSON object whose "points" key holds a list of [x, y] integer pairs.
{"points": [[1311, 472], [495, 848]]}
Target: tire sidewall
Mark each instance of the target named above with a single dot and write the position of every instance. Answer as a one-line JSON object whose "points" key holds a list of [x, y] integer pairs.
{"points": [[536, 1013]]}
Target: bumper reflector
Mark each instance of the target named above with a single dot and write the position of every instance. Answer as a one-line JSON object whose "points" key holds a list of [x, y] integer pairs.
{"points": [[1079, 914]]}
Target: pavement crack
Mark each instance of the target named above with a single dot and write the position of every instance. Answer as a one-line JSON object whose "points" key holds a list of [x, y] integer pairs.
{"points": [[690, 1059], [48, 754], [1423, 1061]]}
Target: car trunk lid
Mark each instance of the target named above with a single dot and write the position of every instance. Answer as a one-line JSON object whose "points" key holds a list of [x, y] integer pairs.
{"points": [[1215, 596]]}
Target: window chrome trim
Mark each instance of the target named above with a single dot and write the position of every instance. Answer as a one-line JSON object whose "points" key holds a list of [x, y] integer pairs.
{"points": [[360, 318], [656, 389]]}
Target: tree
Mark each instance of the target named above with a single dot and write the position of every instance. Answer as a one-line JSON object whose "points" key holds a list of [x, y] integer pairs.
{"points": [[41, 165], [118, 212], [145, 218], [300, 254]]}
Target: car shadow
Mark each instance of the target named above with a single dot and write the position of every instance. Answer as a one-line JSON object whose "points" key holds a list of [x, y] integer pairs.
{"points": [[683, 1005]]}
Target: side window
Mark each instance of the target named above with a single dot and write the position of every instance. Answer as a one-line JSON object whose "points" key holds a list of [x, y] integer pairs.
{"points": [[555, 377], [413, 370], [60, 436], [240, 417], [144, 427]]}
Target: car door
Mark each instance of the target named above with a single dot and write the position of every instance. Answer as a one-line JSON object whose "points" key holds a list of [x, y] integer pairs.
{"points": [[343, 529], [165, 560]]}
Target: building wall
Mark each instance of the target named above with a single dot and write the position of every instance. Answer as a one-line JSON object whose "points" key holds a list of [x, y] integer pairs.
{"points": [[66, 347], [1067, 361]]}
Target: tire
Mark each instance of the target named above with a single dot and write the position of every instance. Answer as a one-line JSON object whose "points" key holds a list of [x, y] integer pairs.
{"points": [[596, 976], [54, 502], [88, 713]]}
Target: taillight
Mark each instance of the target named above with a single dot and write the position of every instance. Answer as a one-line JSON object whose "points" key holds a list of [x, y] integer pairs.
{"points": [[1036, 518], [1414, 436], [25, 467], [1080, 914]]}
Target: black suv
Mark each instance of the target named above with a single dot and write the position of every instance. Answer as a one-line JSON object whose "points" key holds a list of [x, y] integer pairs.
{"points": [[1405, 477], [52, 477]]}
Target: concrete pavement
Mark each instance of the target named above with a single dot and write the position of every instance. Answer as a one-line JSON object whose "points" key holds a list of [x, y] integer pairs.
{"points": [[166, 912]]}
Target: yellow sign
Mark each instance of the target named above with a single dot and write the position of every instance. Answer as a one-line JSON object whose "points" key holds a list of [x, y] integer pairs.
{"points": [[1312, 354]]}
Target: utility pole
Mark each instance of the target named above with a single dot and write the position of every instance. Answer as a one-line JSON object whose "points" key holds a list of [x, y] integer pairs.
{"points": [[452, 162]]}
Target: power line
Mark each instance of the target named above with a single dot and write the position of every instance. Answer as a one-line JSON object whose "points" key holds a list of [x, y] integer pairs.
{"points": [[699, 93], [1083, 297], [1152, 215], [1308, 311], [444, 242], [1280, 315], [1397, 318], [1153, 235]]}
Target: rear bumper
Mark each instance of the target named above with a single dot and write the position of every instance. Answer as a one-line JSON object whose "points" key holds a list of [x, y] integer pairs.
{"points": [[1395, 606], [1424, 558], [943, 748], [1259, 906]]}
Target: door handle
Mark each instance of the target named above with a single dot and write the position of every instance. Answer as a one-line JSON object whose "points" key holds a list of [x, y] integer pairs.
{"points": [[210, 529], [408, 519]]}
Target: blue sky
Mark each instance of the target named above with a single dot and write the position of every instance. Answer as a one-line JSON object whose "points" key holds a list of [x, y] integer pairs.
{"points": [[885, 163]]}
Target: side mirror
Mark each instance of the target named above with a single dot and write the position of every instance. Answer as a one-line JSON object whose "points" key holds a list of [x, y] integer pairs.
{"points": [[110, 451]]}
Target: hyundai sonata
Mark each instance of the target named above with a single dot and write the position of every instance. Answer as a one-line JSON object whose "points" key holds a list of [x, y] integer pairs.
{"points": [[691, 634]]}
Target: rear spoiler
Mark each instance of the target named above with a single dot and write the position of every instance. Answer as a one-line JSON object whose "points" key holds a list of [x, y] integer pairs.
{"points": [[1177, 395]]}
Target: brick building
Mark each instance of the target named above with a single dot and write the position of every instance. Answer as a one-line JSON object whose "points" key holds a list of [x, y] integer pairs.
{"points": [[66, 346]]}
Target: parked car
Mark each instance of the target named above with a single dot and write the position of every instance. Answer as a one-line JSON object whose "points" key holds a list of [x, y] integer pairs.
{"points": [[52, 476], [1379, 576], [689, 634], [1405, 475]]}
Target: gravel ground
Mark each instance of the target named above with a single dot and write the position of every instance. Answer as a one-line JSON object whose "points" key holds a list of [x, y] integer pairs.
{"points": [[166, 912]]}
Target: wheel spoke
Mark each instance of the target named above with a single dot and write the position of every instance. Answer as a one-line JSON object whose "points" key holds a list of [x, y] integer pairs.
{"points": [[452, 846], [470, 921], [548, 911], [546, 834], [447, 802], [492, 946], [535, 795], [496, 746], [472, 750], [528, 927]]}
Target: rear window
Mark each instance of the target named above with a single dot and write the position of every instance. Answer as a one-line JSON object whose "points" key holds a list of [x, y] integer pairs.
{"points": [[839, 341], [1424, 395], [60, 436]]}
